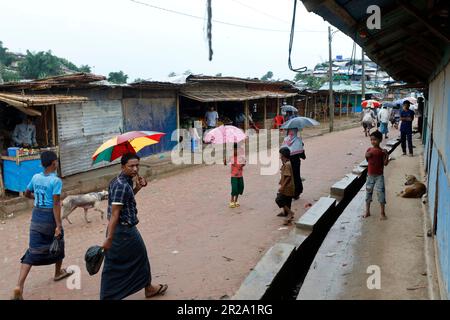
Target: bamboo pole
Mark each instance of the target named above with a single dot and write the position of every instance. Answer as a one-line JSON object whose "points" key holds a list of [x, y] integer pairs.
{"points": [[306, 106], [2, 187], [265, 113], [315, 107], [54, 126], [46, 125], [348, 98], [246, 115]]}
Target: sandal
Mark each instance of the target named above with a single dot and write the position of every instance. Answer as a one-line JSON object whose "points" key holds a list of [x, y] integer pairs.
{"points": [[161, 291], [64, 274]]}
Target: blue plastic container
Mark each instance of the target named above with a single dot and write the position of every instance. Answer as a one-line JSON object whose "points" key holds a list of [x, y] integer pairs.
{"points": [[12, 152]]}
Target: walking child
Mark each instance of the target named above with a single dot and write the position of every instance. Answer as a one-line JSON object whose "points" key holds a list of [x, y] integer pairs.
{"points": [[237, 179], [377, 158], [287, 188]]}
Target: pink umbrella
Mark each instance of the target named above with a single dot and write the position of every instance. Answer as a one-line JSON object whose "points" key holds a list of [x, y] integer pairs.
{"points": [[225, 134]]}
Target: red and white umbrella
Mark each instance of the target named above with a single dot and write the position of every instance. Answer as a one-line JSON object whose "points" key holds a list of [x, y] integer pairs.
{"points": [[370, 104]]}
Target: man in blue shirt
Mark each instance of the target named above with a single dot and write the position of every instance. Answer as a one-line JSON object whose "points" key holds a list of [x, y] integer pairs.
{"points": [[407, 117]]}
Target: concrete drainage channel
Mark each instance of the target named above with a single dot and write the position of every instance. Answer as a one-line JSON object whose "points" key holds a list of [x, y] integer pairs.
{"points": [[280, 273]]}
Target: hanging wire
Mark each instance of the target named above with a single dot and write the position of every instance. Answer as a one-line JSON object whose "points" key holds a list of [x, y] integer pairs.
{"points": [[291, 42], [209, 28]]}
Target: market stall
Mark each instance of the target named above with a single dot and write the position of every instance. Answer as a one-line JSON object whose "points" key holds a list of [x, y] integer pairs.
{"points": [[25, 132], [20, 165]]}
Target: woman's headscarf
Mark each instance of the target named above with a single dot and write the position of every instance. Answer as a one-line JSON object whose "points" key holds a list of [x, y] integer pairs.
{"points": [[293, 142]]}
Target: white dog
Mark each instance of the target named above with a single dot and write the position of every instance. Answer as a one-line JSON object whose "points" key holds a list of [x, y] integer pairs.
{"points": [[85, 201]]}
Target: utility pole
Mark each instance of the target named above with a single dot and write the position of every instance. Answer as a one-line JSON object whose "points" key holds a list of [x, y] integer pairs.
{"points": [[330, 60], [363, 77]]}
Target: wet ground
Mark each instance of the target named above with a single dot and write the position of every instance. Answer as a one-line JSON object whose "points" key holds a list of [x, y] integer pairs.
{"points": [[197, 245], [357, 249]]}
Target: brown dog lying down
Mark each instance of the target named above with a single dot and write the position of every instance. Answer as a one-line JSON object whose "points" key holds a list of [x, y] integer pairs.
{"points": [[416, 190]]}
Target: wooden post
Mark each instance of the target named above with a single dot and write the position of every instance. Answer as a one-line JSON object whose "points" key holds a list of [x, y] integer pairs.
{"points": [[326, 104], [265, 113], [246, 115], [315, 107], [46, 124], [54, 126], [306, 105], [2, 187], [340, 106], [356, 101], [278, 106], [178, 112], [348, 98]]}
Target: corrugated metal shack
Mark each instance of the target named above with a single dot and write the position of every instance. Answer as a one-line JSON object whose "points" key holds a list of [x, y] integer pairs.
{"points": [[231, 96], [90, 110], [106, 110], [347, 98]]}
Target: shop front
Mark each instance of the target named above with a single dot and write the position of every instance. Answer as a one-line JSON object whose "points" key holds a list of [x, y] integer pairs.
{"points": [[28, 127]]}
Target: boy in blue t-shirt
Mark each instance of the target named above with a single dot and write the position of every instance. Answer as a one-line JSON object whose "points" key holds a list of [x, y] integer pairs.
{"points": [[407, 117]]}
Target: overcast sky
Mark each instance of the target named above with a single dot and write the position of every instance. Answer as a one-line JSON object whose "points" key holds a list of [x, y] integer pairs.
{"points": [[144, 42]]}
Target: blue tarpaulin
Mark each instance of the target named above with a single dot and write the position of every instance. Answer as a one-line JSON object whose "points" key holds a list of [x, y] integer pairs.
{"points": [[17, 177]]}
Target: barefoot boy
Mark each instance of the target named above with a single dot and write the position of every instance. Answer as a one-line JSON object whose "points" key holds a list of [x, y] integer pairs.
{"points": [[377, 158], [287, 187]]}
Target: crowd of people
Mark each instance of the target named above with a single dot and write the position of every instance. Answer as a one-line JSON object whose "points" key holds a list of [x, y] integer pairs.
{"points": [[379, 118]]}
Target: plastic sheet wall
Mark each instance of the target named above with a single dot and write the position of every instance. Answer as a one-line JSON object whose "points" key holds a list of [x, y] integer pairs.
{"points": [[437, 160], [152, 114]]}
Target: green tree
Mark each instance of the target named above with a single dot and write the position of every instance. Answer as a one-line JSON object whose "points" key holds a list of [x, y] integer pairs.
{"points": [[6, 58], [219, 74], [8, 75], [117, 77], [39, 65], [172, 74], [187, 72], [267, 76], [84, 68]]}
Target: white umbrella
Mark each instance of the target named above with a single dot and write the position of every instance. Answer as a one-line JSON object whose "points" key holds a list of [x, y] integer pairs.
{"points": [[299, 123]]}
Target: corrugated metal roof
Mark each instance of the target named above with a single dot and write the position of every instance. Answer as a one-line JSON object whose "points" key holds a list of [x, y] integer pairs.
{"points": [[413, 42], [344, 87], [233, 95]]}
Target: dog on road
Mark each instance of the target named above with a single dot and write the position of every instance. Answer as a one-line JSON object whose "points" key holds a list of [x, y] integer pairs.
{"points": [[416, 188], [86, 201]]}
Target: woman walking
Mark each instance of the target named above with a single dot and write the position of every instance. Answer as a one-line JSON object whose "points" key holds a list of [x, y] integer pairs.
{"points": [[45, 189], [295, 145]]}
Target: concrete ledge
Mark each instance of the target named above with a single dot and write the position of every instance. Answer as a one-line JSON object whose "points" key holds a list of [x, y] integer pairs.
{"points": [[358, 170], [297, 237], [261, 277], [363, 164], [338, 189], [309, 219]]}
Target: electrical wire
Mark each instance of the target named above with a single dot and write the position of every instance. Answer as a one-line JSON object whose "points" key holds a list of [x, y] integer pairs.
{"points": [[259, 11], [291, 42], [218, 21]]}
